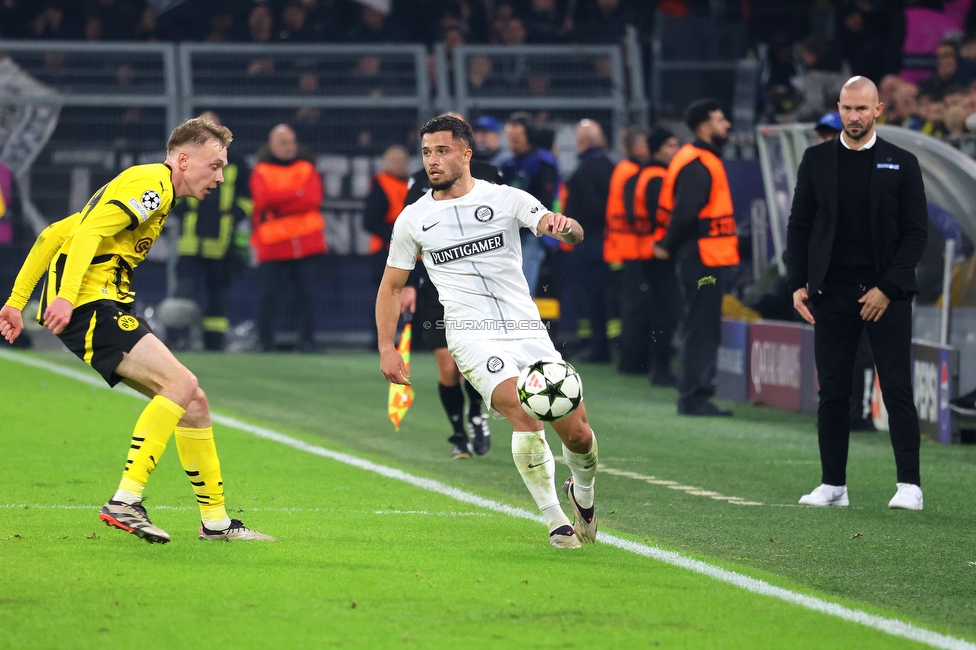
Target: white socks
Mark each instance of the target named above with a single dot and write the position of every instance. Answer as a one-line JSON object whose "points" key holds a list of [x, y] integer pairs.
{"points": [[123, 496], [220, 524], [535, 463], [583, 467]]}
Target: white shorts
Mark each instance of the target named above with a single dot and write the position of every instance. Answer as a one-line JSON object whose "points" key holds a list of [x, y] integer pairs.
{"points": [[489, 362]]}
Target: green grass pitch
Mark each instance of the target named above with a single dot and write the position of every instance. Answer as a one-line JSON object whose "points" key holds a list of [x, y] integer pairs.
{"points": [[369, 561]]}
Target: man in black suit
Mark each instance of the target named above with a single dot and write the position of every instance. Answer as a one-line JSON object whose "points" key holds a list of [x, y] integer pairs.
{"points": [[856, 233]]}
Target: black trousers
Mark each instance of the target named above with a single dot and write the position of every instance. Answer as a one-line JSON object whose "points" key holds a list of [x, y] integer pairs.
{"points": [[700, 328], [837, 333], [283, 279], [649, 306], [214, 278], [592, 274]]}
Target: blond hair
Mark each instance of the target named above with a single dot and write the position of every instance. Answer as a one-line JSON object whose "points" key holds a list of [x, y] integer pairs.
{"points": [[198, 131]]}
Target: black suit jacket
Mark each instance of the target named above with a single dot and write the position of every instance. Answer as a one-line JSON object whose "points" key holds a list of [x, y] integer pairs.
{"points": [[898, 210]]}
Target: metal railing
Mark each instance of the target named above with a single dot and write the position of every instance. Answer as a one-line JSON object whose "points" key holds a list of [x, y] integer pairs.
{"points": [[569, 82]]}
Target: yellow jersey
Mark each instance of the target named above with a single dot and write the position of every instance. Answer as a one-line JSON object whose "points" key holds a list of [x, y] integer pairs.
{"points": [[91, 255]]}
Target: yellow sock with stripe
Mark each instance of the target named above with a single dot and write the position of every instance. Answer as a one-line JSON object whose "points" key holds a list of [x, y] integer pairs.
{"points": [[198, 453], [149, 439]]}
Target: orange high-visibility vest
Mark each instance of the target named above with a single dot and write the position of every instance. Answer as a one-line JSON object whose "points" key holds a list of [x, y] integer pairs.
{"points": [[396, 196], [649, 230], [618, 236], [272, 227], [718, 244]]}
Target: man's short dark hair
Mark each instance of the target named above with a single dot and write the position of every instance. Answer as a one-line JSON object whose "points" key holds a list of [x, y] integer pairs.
{"points": [[948, 42], [459, 129], [700, 112]]}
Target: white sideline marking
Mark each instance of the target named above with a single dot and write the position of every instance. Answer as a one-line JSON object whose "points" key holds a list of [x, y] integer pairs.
{"points": [[674, 485], [331, 511], [890, 626]]}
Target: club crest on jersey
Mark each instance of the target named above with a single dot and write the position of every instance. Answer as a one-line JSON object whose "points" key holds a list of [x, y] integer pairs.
{"points": [[483, 213], [150, 199], [494, 364], [468, 249]]}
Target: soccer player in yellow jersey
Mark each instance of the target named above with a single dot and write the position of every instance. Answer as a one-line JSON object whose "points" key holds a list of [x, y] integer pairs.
{"points": [[87, 261]]}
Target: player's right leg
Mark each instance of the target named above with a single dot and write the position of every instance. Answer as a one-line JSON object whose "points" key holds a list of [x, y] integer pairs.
{"points": [[535, 462]]}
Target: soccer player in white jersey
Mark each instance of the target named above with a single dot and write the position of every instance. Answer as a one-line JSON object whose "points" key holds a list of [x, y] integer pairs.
{"points": [[467, 231]]}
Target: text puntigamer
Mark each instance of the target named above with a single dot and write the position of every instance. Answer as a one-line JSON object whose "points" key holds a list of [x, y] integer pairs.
{"points": [[467, 249]]}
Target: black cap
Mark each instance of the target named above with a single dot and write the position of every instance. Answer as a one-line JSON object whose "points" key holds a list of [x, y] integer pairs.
{"points": [[657, 138]]}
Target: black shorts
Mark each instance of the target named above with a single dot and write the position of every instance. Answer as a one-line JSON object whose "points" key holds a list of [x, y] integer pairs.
{"points": [[100, 332], [431, 314]]}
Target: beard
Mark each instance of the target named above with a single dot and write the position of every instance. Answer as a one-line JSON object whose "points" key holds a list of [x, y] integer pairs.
{"points": [[718, 141], [865, 129], [445, 183]]}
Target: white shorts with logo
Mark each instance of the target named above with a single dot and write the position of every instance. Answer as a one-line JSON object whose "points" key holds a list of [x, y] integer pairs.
{"points": [[488, 362]]}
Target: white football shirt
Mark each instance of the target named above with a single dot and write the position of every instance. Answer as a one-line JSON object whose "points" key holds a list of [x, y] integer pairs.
{"points": [[470, 246]]}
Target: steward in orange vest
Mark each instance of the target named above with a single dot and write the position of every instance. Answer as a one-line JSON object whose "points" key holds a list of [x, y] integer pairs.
{"points": [[621, 241], [287, 218], [700, 237], [713, 222], [387, 196], [288, 236], [649, 294]]}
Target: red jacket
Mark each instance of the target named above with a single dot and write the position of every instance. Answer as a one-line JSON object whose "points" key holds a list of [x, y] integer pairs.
{"points": [[287, 218]]}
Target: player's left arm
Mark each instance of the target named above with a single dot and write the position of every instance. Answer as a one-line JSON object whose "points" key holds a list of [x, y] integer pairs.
{"points": [[563, 228]]}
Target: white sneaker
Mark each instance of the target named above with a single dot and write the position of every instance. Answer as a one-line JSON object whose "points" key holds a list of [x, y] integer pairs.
{"points": [[826, 495], [908, 497]]}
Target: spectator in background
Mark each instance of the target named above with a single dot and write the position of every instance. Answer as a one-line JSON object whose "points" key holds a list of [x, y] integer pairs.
{"points": [[56, 22], [828, 128], [696, 207], [373, 26], [822, 80], [221, 27], [586, 200], [487, 139], [861, 40], [535, 171], [294, 24], [934, 124], [887, 88], [288, 233], [955, 121], [385, 201], [904, 109], [546, 24], [607, 24], [260, 26], [949, 74], [503, 12], [210, 252]]}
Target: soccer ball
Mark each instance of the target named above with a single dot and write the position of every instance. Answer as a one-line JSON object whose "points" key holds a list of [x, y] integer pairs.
{"points": [[549, 389]]}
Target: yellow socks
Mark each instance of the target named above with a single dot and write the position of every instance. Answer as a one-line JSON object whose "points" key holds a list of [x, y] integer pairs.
{"points": [[198, 453], [149, 439]]}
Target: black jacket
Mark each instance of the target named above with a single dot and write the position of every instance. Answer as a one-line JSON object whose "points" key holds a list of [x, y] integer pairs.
{"points": [[898, 218], [587, 191]]}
